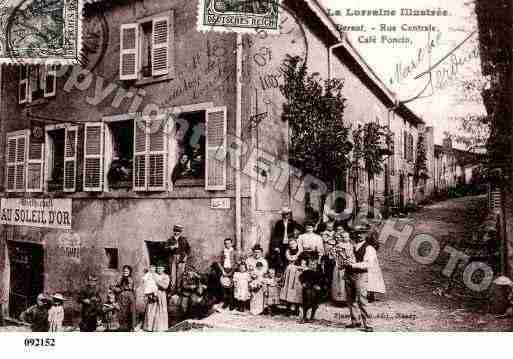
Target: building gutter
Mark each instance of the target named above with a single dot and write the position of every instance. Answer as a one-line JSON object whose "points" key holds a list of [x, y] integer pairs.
{"points": [[238, 134]]}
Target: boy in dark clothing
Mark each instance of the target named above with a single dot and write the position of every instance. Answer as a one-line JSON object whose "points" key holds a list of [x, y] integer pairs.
{"points": [[37, 315], [312, 280]]}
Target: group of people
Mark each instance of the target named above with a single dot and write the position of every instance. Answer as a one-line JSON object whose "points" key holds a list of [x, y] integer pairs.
{"points": [[327, 261], [337, 262]]}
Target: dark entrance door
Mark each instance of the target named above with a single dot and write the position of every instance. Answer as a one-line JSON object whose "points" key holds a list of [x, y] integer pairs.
{"points": [[27, 276], [401, 191], [158, 254]]}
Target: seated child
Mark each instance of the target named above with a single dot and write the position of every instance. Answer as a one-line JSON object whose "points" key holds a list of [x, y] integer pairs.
{"points": [[271, 291], [241, 294], [311, 279]]}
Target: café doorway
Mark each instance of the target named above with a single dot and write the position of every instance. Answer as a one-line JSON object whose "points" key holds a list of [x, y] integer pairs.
{"points": [[158, 254], [26, 277]]}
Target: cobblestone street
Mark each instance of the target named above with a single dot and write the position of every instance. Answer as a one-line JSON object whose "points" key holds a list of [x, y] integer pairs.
{"points": [[416, 299]]}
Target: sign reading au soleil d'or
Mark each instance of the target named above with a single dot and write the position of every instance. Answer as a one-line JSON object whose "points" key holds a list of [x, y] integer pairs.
{"points": [[36, 212]]}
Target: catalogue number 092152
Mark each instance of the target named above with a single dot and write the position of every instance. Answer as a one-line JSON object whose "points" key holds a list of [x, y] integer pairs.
{"points": [[39, 342]]}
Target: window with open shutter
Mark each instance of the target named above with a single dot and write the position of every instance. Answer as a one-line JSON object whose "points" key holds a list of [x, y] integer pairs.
{"points": [[23, 85], [16, 159], [405, 145], [93, 156], [216, 149], [128, 54], [49, 81], [157, 162], [70, 159], [160, 46], [140, 151], [35, 165]]}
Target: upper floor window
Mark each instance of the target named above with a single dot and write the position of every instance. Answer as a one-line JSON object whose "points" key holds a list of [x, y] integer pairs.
{"points": [[36, 82], [146, 48]]}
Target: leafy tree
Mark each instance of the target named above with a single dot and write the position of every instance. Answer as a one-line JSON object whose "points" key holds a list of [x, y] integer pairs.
{"points": [[420, 170], [314, 110], [369, 140]]}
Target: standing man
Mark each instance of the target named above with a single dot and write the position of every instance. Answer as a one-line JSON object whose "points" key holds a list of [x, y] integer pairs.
{"points": [[179, 250], [37, 315], [283, 229], [357, 280], [91, 302]]}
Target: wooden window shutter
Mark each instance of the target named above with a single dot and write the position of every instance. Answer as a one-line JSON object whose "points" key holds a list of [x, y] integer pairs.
{"points": [[11, 164], [160, 46], [70, 159], [157, 161], [93, 156], [21, 148], [140, 152], [215, 163], [23, 85], [49, 81], [35, 165], [405, 145], [128, 53]]}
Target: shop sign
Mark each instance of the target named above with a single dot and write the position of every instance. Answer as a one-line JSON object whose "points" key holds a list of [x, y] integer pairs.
{"points": [[220, 203], [36, 212]]}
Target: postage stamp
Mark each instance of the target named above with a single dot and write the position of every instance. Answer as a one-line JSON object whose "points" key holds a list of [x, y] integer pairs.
{"points": [[40, 31], [238, 16]]}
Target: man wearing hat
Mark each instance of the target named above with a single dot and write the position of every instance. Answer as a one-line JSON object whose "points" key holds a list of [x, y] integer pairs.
{"points": [[91, 301], [283, 229], [179, 249], [37, 315], [357, 279]]}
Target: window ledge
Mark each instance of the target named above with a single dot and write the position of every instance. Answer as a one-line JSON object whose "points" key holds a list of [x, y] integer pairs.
{"points": [[38, 102], [152, 80]]}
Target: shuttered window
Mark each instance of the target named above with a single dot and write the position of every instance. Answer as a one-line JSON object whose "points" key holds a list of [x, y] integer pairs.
{"points": [[150, 156], [16, 157], [49, 81], [93, 156], [128, 54], [35, 165], [216, 128], [146, 47], [23, 86], [160, 46], [70, 158]]}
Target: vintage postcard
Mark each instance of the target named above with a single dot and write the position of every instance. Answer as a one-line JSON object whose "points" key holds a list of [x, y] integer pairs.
{"points": [[40, 31], [275, 166]]}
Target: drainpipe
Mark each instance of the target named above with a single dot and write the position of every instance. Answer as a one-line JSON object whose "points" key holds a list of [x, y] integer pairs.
{"points": [[238, 134]]}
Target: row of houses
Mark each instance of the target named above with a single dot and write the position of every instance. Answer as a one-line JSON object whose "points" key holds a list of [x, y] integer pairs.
{"points": [[91, 181]]}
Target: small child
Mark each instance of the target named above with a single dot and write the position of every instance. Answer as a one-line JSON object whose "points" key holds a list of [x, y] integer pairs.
{"points": [[227, 266], [111, 313], [291, 292], [271, 291], [241, 279], [311, 279], [150, 285], [257, 303], [56, 313]]}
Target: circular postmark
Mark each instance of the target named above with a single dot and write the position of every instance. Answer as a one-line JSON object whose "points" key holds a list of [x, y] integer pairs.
{"points": [[35, 29]]}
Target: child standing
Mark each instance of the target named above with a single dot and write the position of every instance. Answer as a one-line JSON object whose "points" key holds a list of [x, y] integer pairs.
{"points": [[311, 279], [257, 304], [56, 313], [271, 291], [228, 267], [241, 279], [111, 313]]}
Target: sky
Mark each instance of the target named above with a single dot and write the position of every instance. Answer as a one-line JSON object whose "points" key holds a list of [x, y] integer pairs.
{"points": [[440, 104]]}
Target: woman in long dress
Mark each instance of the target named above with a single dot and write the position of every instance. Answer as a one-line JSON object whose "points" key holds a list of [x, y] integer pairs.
{"points": [[292, 290], [125, 295], [343, 252], [156, 318]]}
